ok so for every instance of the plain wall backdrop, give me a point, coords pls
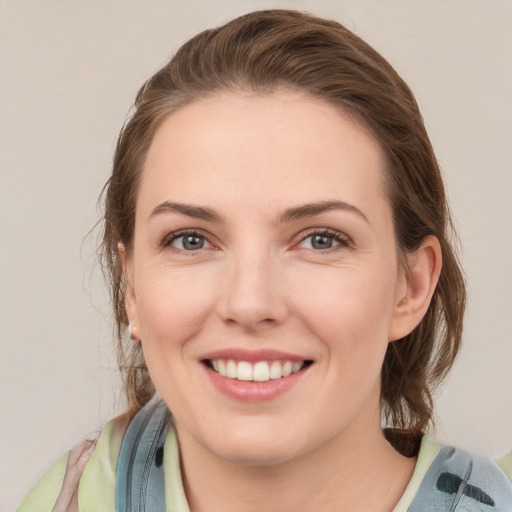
(70, 71)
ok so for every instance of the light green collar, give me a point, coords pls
(429, 450)
(175, 499)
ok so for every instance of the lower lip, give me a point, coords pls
(250, 391)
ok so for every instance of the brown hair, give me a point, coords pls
(263, 51)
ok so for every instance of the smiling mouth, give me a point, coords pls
(260, 371)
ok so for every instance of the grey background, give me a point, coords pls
(70, 71)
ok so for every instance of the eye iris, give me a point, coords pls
(321, 242)
(193, 243)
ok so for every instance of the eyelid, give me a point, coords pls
(344, 240)
(169, 238)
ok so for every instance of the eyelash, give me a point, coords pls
(171, 237)
(343, 240)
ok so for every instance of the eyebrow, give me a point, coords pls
(196, 212)
(292, 214)
(312, 209)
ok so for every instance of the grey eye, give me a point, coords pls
(189, 242)
(321, 242)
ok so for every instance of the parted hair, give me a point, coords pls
(259, 53)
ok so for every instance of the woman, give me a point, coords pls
(277, 239)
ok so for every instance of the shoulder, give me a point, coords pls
(44, 494)
(92, 464)
(505, 463)
(453, 480)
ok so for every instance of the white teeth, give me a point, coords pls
(231, 369)
(261, 371)
(287, 368)
(244, 370)
(297, 366)
(275, 370)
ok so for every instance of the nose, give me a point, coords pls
(254, 293)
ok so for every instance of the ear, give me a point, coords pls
(130, 300)
(423, 268)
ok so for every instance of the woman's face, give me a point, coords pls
(264, 245)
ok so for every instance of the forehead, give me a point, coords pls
(264, 148)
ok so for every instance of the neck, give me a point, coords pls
(341, 475)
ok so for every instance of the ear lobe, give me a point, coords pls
(422, 275)
(130, 300)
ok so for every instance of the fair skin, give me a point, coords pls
(264, 235)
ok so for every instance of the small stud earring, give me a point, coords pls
(132, 332)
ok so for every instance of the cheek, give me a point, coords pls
(345, 299)
(349, 312)
(172, 303)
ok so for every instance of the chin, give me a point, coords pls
(256, 455)
(257, 447)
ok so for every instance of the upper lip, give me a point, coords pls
(252, 356)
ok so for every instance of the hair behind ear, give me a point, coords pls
(427, 335)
